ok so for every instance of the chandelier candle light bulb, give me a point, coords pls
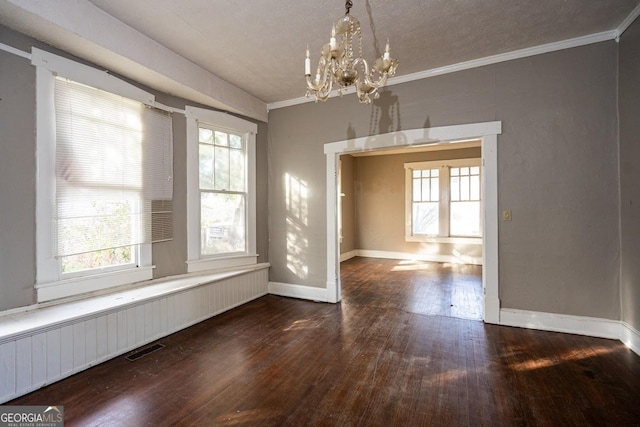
(337, 64)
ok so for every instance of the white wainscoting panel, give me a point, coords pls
(45, 354)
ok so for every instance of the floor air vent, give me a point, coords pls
(143, 352)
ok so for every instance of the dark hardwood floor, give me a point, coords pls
(389, 354)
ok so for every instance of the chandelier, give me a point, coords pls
(338, 67)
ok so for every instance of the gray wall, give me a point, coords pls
(629, 99)
(557, 170)
(380, 203)
(18, 173)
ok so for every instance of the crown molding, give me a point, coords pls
(481, 62)
(628, 21)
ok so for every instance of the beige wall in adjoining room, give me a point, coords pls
(380, 204)
(348, 204)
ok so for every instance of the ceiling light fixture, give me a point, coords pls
(338, 66)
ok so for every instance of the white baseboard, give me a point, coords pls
(630, 337)
(298, 291)
(419, 257)
(580, 325)
(348, 255)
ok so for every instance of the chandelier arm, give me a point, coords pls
(321, 82)
(379, 83)
(322, 89)
(365, 66)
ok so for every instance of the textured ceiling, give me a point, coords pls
(259, 45)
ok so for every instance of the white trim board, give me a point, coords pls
(627, 22)
(452, 259)
(569, 324)
(487, 133)
(581, 325)
(488, 60)
(348, 255)
(298, 291)
(13, 50)
(630, 337)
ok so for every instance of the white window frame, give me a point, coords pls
(444, 201)
(50, 282)
(195, 261)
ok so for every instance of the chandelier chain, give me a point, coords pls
(348, 5)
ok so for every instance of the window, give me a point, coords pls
(221, 190)
(443, 200)
(104, 180)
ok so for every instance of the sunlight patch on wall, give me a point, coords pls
(296, 199)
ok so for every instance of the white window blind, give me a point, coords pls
(114, 171)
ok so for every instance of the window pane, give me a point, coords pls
(98, 259)
(435, 172)
(206, 166)
(222, 223)
(205, 135)
(464, 188)
(425, 190)
(425, 218)
(435, 190)
(93, 224)
(236, 170)
(455, 171)
(416, 173)
(235, 141)
(417, 190)
(475, 170)
(221, 139)
(475, 188)
(455, 188)
(465, 219)
(464, 171)
(221, 172)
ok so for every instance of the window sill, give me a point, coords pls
(87, 284)
(221, 263)
(451, 240)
